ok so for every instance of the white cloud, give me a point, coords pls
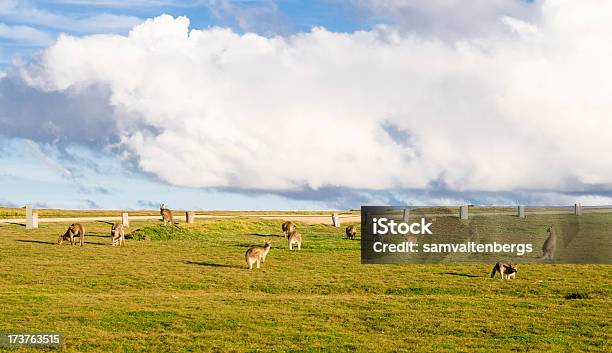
(518, 26)
(97, 23)
(211, 108)
(448, 19)
(25, 35)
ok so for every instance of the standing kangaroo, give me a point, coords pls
(350, 232)
(118, 234)
(288, 227)
(257, 254)
(550, 244)
(166, 214)
(295, 238)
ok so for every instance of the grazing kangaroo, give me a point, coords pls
(506, 271)
(350, 232)
(295, 238)
(118, 234)
(288, 227)
(257, 254)
(166, 214)
(550, 244)
(410, 238)
(74, 229)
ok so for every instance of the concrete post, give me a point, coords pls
(125, 220)
(578, 209)
(34, 220)
(406, 215)
(335, 220)
(463, 212)
(521, 211)
(29, 217)
(190, 216)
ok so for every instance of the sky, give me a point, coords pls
(286, 105)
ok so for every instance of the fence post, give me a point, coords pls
(125, 220)
(406, 215)
(335, 220)
(578, 209)
(463, 212)
(29, 217)
(521, 211)
(190, 216)
(34, 220)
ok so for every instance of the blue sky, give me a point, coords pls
(411, 81)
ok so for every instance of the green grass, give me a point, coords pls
(189, 291)
(161, 232)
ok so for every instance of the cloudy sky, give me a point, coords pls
(304, 105)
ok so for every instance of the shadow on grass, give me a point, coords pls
(17, 224)
(106, 222)
(209, 264)
(459, 274)
(77, 243)
(55, 243)
(37, 242)
(93, 243)
(266, 235)
(97, 235)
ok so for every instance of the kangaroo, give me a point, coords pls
(257, 254)
(350, 232)
(410, 238)
(166, 214)
(74, 229)
(550, 244)
(288, 227)
(295, 238)
(118, 234)
(506, 271)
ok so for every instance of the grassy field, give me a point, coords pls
(192, 292)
